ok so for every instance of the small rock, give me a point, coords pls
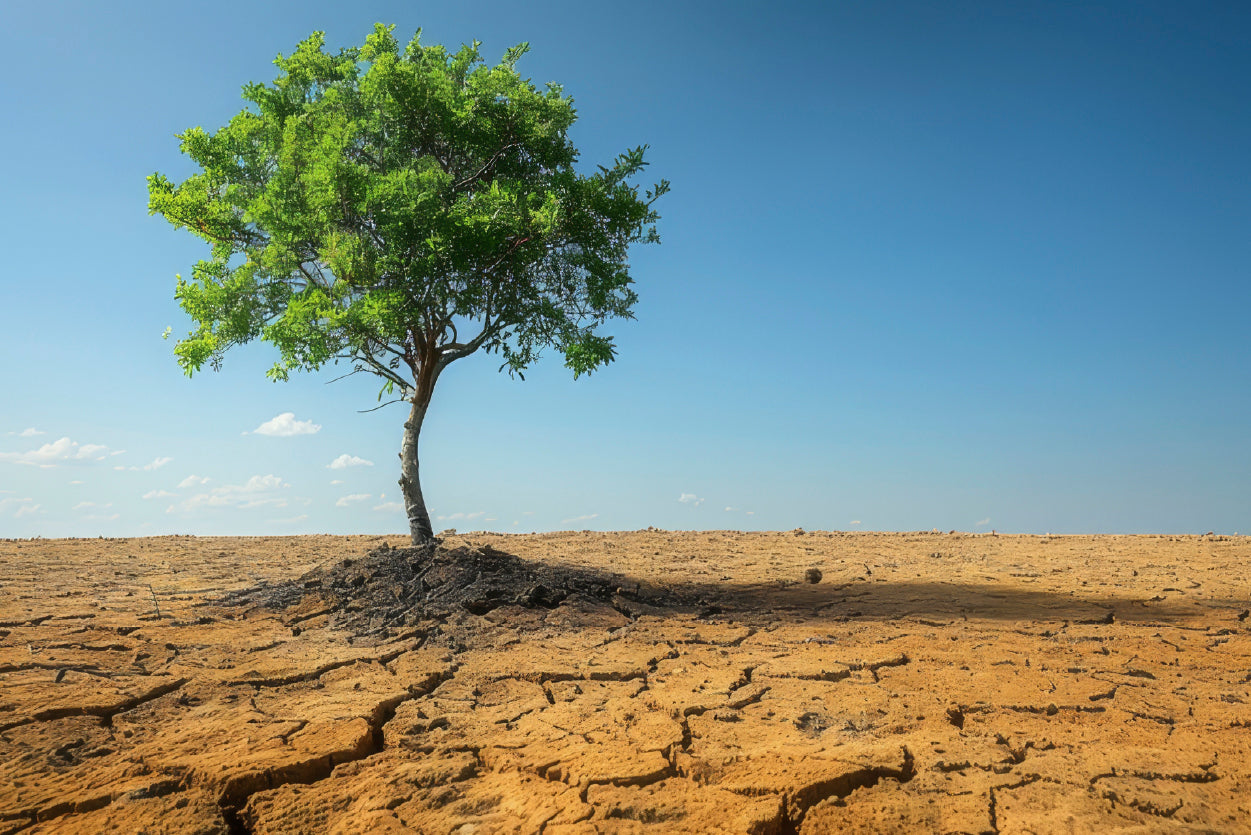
(812, 575)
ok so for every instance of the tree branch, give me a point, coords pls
(383, 406)
(485, 166)
(378, 368)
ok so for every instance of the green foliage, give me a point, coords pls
(370, 206)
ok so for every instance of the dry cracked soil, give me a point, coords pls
(799, 682)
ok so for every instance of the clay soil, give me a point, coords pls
(626, 682)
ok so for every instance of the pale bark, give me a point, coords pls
(410, 480)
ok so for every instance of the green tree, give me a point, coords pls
(398, 210)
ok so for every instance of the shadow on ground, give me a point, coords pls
(403, 586)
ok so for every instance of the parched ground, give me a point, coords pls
(627, 682)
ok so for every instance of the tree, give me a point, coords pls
(399, 210)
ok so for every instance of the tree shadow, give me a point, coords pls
(893, 600)
(393, 586)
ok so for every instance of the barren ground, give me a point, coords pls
(627, 682)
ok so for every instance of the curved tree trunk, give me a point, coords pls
(410, 481)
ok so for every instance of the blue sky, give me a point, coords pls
(963, 266)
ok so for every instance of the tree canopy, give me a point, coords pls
(400, 207)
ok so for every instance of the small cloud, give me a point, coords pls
(27, 510)
(344, 461)
(21, 504)
(585, 518)
(257, 491)
(285, 425)
(289, 521)
(117, 452)
(336, 481)
(57, 452)
(121, 468)
(29, 433)
(691, 499)
(983, 523)
(389, 506)
(76, 481)
(99, 517)
(854, 522)
(90, 505)
(347, 501)
(154, 464)
(194, 481)
(158, 494)
(461, 516)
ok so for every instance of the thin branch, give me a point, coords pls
(380, 369)
(383, 406)
(345, 376)
(485, 166)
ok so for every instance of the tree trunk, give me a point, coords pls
(410, 481)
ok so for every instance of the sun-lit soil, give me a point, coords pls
(647, 682)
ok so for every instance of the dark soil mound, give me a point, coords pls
(392, 587)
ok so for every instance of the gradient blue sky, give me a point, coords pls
(925, 265)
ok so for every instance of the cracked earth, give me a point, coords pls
(627, 682)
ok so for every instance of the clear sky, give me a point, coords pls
(953, 265)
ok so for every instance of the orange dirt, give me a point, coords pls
(926, 683)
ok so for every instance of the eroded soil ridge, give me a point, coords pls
(645, 682)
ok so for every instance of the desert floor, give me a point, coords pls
(644, 682)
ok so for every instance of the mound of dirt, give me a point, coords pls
(393, 587)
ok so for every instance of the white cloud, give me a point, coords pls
(854, 522)
(117, 452)
(336, 481)
(121, 468)
(29, 433)
(585, 518)
(461, 516)
(257, 491)
(344, 461)
(690, 498)
(158, 494)
(89, 505)
(27, 510)
(285, 425)
(22, 504)
(194, 481)
(983, 523)
(76, 481)
(57, 452)
(290, 520)
(347, 501)
(389, 506)
(155, 464)
(100, 517)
